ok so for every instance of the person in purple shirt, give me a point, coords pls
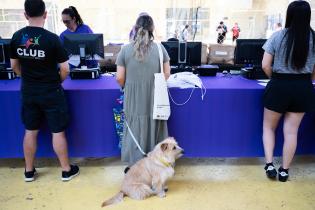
(73, 22)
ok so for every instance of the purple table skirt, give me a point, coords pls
(227, 123)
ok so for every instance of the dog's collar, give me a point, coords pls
(165, 163)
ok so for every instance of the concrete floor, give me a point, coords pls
(199, 184)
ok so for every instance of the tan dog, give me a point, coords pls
(148, 176)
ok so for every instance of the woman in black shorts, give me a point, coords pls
(289, 61)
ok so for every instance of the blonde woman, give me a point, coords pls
(136, 64)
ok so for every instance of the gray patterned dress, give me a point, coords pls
(138, 102)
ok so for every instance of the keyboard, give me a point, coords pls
(86, 69)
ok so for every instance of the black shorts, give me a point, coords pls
(45, 103)
(290, 93)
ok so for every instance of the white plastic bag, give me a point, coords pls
(185, 80)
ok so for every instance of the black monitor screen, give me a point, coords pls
(5, 52)
(249, 51)
(92, 43)
(192, 57)
(172, 50)
(2, 58)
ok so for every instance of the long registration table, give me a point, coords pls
(226, 123)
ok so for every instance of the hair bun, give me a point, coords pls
(72, 8)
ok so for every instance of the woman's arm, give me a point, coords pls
(167, 69)
(267, 64)
(121, 75)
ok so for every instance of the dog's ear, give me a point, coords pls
(164, 147)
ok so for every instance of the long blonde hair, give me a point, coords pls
(144, 36)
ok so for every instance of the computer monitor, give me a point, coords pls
(249, 52)
(183, 53)
(5, 53)
(86, 46)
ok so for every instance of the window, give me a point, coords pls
(12, 20)
(177, 18)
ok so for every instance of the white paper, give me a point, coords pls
(109, 54)
(263, 80)
(74, 60)
(220, 53)
(262, 84)
(109, 74)
(97, 57)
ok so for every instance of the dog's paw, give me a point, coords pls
(161, 194)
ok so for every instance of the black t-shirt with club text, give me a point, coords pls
(39, 52)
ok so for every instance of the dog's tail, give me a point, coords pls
(116, 199)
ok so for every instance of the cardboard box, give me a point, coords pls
(221, 54)
(204, 53)
(110, 54)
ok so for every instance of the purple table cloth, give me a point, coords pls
(227, 123)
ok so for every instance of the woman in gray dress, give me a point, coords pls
(136, 64)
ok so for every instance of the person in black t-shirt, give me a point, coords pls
(222, 30)
(35, 55)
